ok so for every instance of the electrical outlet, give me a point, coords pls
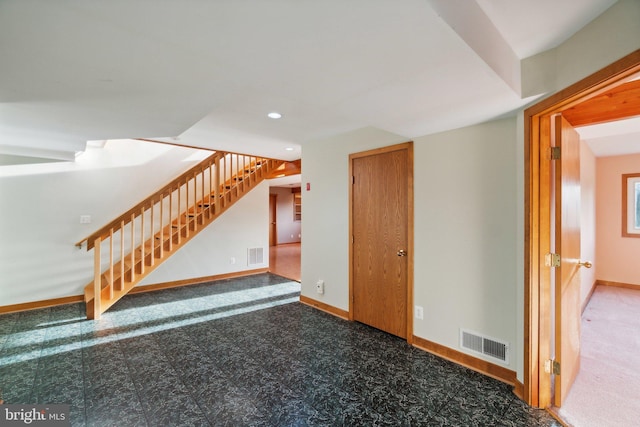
(320, 287)
(232, 260)
(85, 219)
(419, 312)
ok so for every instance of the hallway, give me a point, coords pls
(284, 260)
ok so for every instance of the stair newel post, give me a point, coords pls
(110, 264)
(122, 256)
(133, 247)
(142, 254)
(97, 279)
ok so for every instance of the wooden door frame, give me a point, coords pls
(537, 279)
(273, 209)
(404, 146)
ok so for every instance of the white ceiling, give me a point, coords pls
(206, 73)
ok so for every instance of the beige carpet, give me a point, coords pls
(607, 389)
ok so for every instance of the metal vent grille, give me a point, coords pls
(484, 345)
(255, 256)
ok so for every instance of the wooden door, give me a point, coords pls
(380, 244)
(567, 243)
(273, 225)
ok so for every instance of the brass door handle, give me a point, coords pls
(402, 252)
(585, 264)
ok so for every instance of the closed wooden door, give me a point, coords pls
(380, 244)
(567, 243)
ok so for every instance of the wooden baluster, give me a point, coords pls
(195, 202)
(97, 279)
(210, 189)
(224, 180)
(161, 239)
(187, 218)
(237, 175)
(170, 220)
(152, 234)
(202, 202)
(142, 251)
(122, 256)
(179, 219)
(111, 264)
(132, 248)
(216, 187)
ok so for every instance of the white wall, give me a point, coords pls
(41, 206)
(289, 231)
(587, 219)
(618, 257)
(223, 246)
(465, 234)
(325, 208)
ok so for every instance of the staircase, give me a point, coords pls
(131, 246)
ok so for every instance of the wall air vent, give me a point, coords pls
(486, 346)
(255, 256)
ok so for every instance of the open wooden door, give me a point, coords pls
(381, 246)
(567, 243)
(273, 225)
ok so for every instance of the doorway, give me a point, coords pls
(539, 322)
(381, 247)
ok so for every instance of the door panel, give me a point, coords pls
(380, 231)
(567, 240)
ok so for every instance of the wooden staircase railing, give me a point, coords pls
(131, 246)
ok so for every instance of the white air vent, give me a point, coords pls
(255, 256)
(484, 345)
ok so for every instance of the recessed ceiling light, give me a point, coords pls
(289, 148)
(274, 115)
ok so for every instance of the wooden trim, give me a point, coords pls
(34, 305)
(489, 369)
(536, 322)
(585, 303)
(617, 285)
(196, 281)
(150, 288)
(325, 307)
(625, 205)
(518, 390)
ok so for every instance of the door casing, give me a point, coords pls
(537, 296)
(410, 230)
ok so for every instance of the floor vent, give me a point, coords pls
(255, 256)
(484, 345)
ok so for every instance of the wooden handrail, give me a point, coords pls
(149, 201)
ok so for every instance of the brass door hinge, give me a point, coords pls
(552, 367)
(552, 260)
(555, 153)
